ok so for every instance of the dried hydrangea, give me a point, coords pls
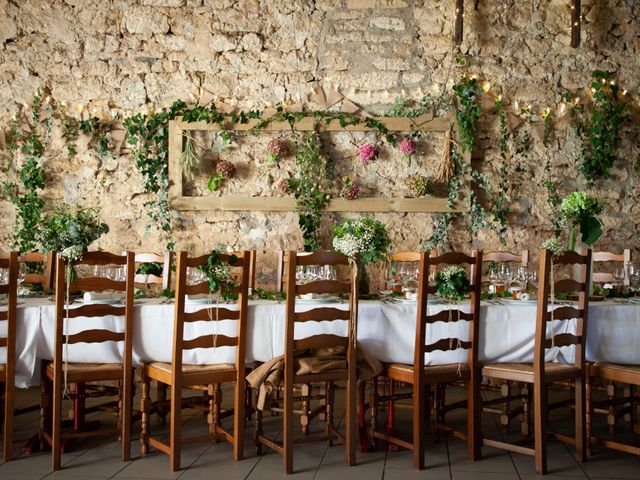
(275, 148)
(226, 169)
(419, 186)
(350, 190)
(408, 148)
(284, 186)
(367, 152)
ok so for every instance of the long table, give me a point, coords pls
(385, 329)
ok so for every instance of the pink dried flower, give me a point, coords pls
(284, 186)
(408, 148)
(275, 148)
(367, 152)
(351, 193)
(226, 169)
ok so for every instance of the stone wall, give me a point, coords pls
(140, 54)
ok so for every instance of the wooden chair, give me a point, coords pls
(8, 342)
(166, 260)
(204, 377)
(610, 372)
(604, 257)
(541, 374)
(47, 277)
(500, 256)
(322, 341)
(422, 377)
(59, 373)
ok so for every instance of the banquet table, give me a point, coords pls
(385, 329)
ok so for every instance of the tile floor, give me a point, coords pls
(99, 458)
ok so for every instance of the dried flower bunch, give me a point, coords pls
(350, 190)
(408, 148)
(367, 152)
(275, 148)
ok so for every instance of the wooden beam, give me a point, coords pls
(459, 21)
(575, 23)
(288, 204)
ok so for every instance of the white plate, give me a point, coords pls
(103, 301)
(511, 301)
(430, 301)
(315, 301)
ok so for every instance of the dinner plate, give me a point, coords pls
(102, 301)
(314, 301)
(511, 301)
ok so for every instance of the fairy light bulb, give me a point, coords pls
(499, 97)
(624, 92)
(486, 87)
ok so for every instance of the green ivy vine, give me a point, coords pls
(598, 128)
(25, 172)
(149, 137)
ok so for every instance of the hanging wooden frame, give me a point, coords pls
(426, 123)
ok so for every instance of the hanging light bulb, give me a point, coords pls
(486, 87)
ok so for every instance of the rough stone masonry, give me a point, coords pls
(142, 54)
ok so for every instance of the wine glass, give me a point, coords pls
(619, 275)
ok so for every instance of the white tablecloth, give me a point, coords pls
(386, 330)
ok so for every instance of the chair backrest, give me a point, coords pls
(454, 315)
(150, 279)
(240, 269)
(604, 257)
(522, 259)
(47, 277)
(95, 284)
(545, 319)
(329, 314)
(8, 315)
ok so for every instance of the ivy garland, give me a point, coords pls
(29, 171)
(599, 130)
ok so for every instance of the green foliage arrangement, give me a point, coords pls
(70, 232)
(580, 209)
(366, 237)
(150, 268)
(452, 283)
(218, 272)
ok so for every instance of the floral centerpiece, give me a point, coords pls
(452, 283)
(366, 237)
(69, 232)
(219, 276)
(580, 209)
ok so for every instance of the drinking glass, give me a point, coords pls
(619, 275)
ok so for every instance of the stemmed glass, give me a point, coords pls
(633, 271)
(619, 275)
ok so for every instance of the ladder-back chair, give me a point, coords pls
(60, 372)
(207, 378)
(540, 374)
(421, 377)
(8, 343)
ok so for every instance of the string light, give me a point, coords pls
(486, 87)
(624, 92)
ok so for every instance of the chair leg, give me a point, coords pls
(258, 432)
(526, 410)
(351, 418)
(216, 395)
(540, 416)
(56, 427)
(581, 428)
(8, 420)
(239, 419)
(474, 410)
(374, 398)
(287, 443)
(329, 402)
(127, 407)
(161, 392)
(45, 410)
(175, 428)
(505, 391)
(588, 414)
(418, 426)
(611, 415)
(145, 407)
(305, 392)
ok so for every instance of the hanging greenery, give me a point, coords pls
(25, 172)
(599, 127)
(310, 189)
(149, 137)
